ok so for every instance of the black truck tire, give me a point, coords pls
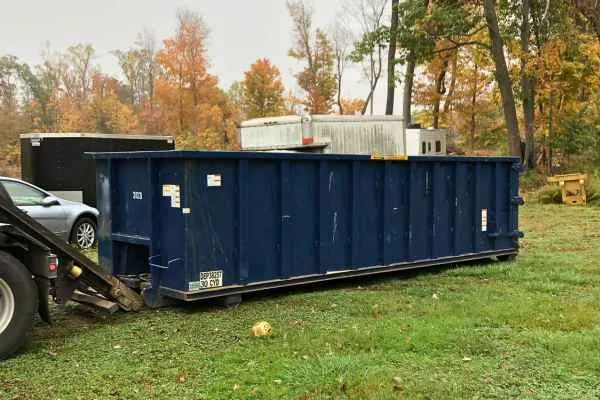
(18, 303)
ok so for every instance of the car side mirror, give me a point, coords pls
(50, 201)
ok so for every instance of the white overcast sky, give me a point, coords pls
(240, 32)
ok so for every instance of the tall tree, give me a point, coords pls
(80, 59)
(409, 76)
(236, 96)
(527, 86)
(317, 78)
(368, 50)
(503, 77)
(391, 60)
(191, 104)
(430, 30)
(341, 38)
(139, 67)
(106, 111)
(262, 90)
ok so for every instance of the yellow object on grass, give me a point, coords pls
(572, 187)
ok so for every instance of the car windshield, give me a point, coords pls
(23, 195)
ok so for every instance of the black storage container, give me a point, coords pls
(55, 161)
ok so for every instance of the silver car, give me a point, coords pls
(72, 221)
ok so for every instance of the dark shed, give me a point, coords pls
(55, 161)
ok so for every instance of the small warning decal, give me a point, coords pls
(484, 219)
(213, 180)
(174, 193)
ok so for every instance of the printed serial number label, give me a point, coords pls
(209, 279)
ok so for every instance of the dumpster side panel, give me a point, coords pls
(266, 220)
(213, 203)
(131, 204)
(168, 259)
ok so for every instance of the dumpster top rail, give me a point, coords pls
(268, 155)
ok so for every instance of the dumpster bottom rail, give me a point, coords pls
(317, 278)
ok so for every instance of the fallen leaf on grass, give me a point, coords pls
(375, 311)
(261, 328)
(397, 381)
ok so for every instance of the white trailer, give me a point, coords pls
(340, 134)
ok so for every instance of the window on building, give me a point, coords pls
(438, 146)
(423, 148)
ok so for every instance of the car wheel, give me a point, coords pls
(83, 234)
(18, 302)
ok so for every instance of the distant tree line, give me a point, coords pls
(520, 77)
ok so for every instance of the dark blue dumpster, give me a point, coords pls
(205, 224)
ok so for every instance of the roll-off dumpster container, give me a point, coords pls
(205, 224)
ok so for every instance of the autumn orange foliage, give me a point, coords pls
(188, 100)
(352, 106)
(262, 90)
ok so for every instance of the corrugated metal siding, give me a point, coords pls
(361, 137)
(339, 134)
(275, 136)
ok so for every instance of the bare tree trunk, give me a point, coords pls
(549, 137)
(375, 75)
(409, 77)
(503, 78)
(339, 94)
(439, 91)
(528, 89)
(391, 61)
(473, 104)
(450, 95)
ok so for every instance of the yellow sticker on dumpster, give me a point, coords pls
(174, 193)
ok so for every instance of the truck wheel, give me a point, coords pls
(18, 302)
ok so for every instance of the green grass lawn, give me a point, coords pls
(524, 329)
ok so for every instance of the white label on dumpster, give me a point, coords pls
(483, 219)
(208, 279)
(173, 192)
(213, 180)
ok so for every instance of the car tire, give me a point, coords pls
(84, 233)
(18, 303)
